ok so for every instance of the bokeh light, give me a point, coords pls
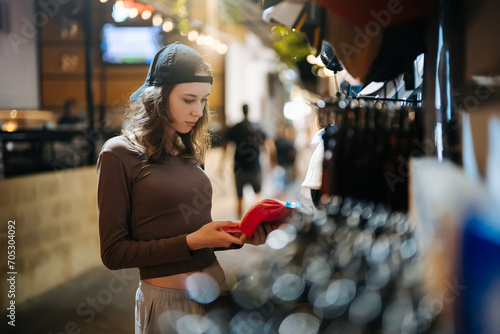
(288, 287)
(133, 12)
(146, 15)
(157, 20)
(277, 239)
(192, 35)
(202, 288)
(201, 39)
(302, 323)
(193, 323)
(222, 49)
(365, 307)
(168, 26)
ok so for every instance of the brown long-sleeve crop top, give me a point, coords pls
(147, 209)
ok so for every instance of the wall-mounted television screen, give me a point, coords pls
(129, 44)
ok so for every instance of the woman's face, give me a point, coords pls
(187, 102)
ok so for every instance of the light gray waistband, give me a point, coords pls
(158, 291)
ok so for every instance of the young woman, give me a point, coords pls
(154, 198)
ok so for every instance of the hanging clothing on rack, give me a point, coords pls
(368, 144)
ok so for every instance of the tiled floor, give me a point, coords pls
(99, 301)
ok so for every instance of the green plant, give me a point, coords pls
(291, 46)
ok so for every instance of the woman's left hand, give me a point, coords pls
(259, 235)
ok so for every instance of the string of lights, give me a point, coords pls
(130, 9)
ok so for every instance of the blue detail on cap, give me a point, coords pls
(293, 205)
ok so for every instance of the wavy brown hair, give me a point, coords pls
(149, 116)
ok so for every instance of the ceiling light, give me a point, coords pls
(193, 35)
(157, 20)
(222, 49)
(168, 26)
(146, 15)
(133, 12)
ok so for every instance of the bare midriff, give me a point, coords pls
(178, 281)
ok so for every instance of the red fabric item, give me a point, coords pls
(266, 210)
(386, 12)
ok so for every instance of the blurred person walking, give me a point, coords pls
(285, 172)
(249, 138)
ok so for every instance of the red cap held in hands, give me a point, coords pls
(266, 210)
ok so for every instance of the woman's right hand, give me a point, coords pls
(211, 235)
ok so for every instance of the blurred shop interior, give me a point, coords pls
(401, 234)
(95, 53)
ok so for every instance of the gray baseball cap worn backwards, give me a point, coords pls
(174, 64)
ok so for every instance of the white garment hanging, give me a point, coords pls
(315, 170)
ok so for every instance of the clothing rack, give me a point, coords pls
(387, 99)
(368, 147)
(377, 98)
